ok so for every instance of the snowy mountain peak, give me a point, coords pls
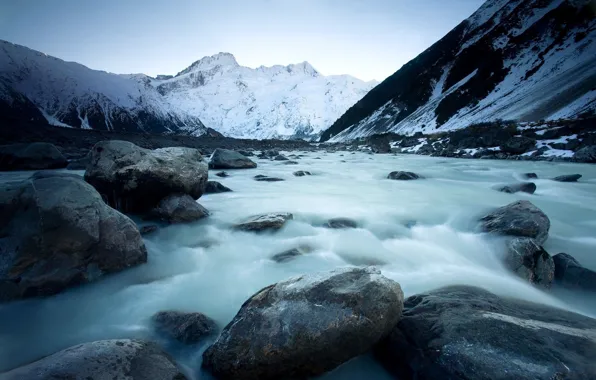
(210, 62)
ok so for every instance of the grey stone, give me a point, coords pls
(265, 222)
(222, 174)
(529, 175)
(291, 254)
(525, 187)
(568, 178)
(264, 178)
(306, 325)
(519, 218)
(280, 157)
(570, 273)
(518, 145)
(403, 176)
(102, 360)
(146, 230)
(179, 209)
(530, 261)
(34, 156)
(214, 187)
(339, 223)
(301, 173)
(290, 163)
(184, 327)
(586, 154)
(229, 159)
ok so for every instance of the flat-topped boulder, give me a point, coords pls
(306, 326)
(229, 159)
(134, 179)
(520, 218)
(265, 222)
(34, 156)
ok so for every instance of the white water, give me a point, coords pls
(423, 230)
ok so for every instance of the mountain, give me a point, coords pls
(266, 102)
(43, 89)
(522, 60)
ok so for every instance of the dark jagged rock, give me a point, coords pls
(339, 223)
(146, 230)
(34, 156)
(529, 175)
(291, 254)
(525, 187)
(229, 159)
(301, 173)
(570, 273)
(222, 174)
(133, 179)
(103, 359)
(586, 154)
(56, 232)
(520, 218)
(530, 261)
(187, 328)
(463, 332)
(403, 176)
(178, 209)
(265, 222)
(306, 325)
(568, 178)
(214, 187)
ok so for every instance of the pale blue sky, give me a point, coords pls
(369, 39)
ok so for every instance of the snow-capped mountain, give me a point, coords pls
(523, 60)
(37, 87)
(266, 102)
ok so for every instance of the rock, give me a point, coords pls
(525, 187)
(178, 209)
(214, 187)
(265, 222)
(586, 154)
(264, 178)
(187, 328)
(518, 145)
(56, 232)
(339, 223)
(290, 163)
(301, 173)
(34, 156)
(568, 178)
(280, 157)
(133, 179)
(463, 332)
(291, 254)
(529, 175)
(530, 261)
(146, 230)
(570, 273)
(228, 159)
(246, 153)
(222, 174)
(379, 145)
(104, 359)
(306, 325)
(519, 218)
(79, 163)
(403, 176)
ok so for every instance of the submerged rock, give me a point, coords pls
(34, 156)
(133, 179)
(290, 163)
(570, 273)
(179, 209)
(403, 176)
(146, 230)
(306, 325)
(301, 173)
(568, 178)
(463, 332)
(339, 223)
(264, 178)
(56, 232)
(280, 157)
(229, 159)
(529, 175)
(519, 218)
(525, 187)
(530, 261)
(104, 359)
(187, 328)
(265, 222)
(214, 187)
(222, 174)
(291, 254)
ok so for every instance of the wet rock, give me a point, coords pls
(525, 187)
(133, 179)
(214, 187)
(269, 154)
(340, 223)
(246, 153)
(280, 157)
(530, 261)
(518, 145)
(570, 273)
(178, 209)
(290, 163)
(104, 359)
(568, 178)
(529, 175)
(403, 176)
(187, 328)
(291, 254)
(265, 222)
(222, 174)
(146, 230)
(56, 232)
(79, 163)
(34, 156)
(586, 154)
(301, 173)
(264, 178)
(520, 218)
(306, 325)
(463, 332)
(229, 159)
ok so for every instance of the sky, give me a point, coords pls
(369, 39)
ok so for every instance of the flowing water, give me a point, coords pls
(423, 234)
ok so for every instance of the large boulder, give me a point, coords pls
(518, 145)
(34, 156)
(56, 232)
(265, 222)
(519, 218)
(102, 360)
(570, 273)
(586, 154)
(306, 325)
(525, 187)
(530, 261)
(178, 209)
(229, 159)
(187, 328)
(467, 333)
(133, 179)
